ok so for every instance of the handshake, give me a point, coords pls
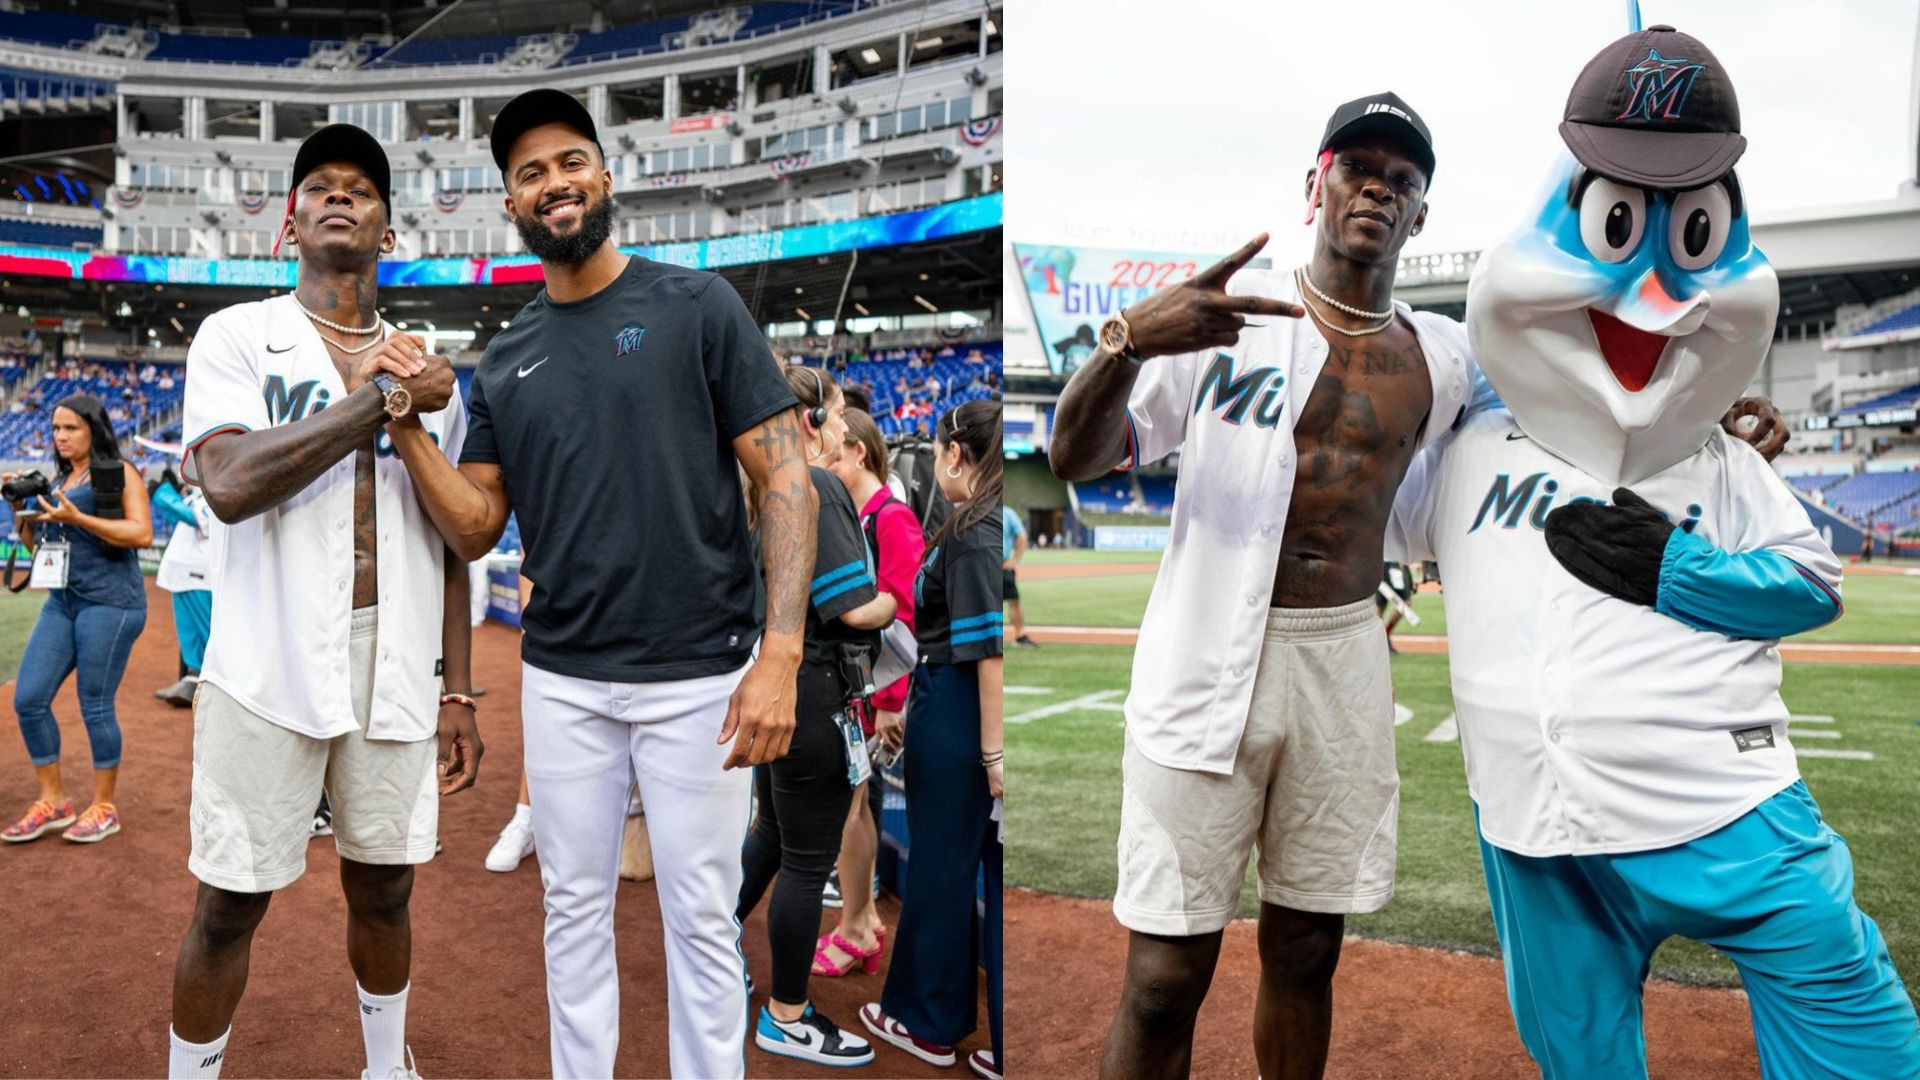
(427, 377)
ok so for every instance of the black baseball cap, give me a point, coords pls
(343, 142)
(1656, 109)
(1382, 113)
(532, 109)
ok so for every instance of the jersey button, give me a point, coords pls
(1555, 736)
(1253, 599)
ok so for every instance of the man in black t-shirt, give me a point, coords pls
(609, 417)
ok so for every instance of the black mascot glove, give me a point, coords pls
(1616, 549)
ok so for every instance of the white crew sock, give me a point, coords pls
(383, 1024)
(522, 813)
(195, 1061)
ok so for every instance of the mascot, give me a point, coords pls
(1619, 570)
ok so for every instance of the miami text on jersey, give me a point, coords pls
(1506, 502)
(1231, 396)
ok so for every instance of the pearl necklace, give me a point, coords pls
(1337, 305)
(357, 349)
(1317, 317)
(331, 325)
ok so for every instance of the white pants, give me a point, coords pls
(587, 743)
(477, 589)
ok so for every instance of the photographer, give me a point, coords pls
(805, 794)
(84, 531)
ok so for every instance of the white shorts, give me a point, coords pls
(1314, 790)
(256, 786)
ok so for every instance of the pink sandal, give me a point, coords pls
(868, 960)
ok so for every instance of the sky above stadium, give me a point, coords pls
(1190, 126)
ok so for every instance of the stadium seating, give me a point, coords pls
(1867, 494)
(1905, 397)
(18, 430)
(48, 233)
(1107, 495)
(75, 31)
(1811, 484)
(1158, 493)
(1904, 319)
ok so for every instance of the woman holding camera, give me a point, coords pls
(804, 796)
(84, 532)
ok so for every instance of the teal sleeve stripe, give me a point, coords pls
(988, 634)
(1760, 595)
(990, 617)
(832, 576)
(820, 598)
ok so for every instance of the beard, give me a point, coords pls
(596, 224)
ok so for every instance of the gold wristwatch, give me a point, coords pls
(1117, 338)
(399, 401)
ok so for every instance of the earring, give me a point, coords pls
(955, 474)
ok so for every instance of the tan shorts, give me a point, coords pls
(256, 786)
(1314, 790)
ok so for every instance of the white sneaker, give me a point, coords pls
(399, 1072)
(515, 844)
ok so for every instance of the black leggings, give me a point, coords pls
(804, 799)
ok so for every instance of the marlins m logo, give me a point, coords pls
(1232, 396)
(628, 340)
(1657, 87)
(286, 404)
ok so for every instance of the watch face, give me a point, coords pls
(1113, 336)
(399, 402)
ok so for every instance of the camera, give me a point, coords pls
(26, 486)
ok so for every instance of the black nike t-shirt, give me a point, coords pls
(612, 419)
(842, 571)
(957, 596)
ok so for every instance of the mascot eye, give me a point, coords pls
(1611, 219)
(1701, 220)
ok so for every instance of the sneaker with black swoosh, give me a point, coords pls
(813, 1038)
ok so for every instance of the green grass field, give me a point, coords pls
(17, 613)
(1880, 609)
(1065, 769)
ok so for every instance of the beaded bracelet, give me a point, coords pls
(459, 699)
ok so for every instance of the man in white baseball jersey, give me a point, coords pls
(613, 419)
(337, 612)
(1261, 712)
(1617, 575)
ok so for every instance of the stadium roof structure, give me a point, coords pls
(959, 272)
(395, 18)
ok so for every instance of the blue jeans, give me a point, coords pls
(74, 634)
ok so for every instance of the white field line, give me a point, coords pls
(1086, 701)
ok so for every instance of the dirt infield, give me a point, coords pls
(1400, 1011)
(92, 930)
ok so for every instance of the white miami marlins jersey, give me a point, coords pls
(1592, 724)
(1234, 410)
(282, 580)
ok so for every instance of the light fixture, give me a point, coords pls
(484, 308)
(477, 326)
(401, 325)
(797, 290)
(871, 56)
(992, 27)
(503, 324)
(181, 305)
(861, 308)
(126, 310)
(802, 312)
(152, 333)
(928, 43)
(159, 288)
(923, 277)
(176, 325)
(925, 303)
(23, 313)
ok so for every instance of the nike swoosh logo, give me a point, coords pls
(1512, 435)
(271, 349)
(526, 371)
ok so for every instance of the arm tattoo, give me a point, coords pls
(249, 472)
(779, 442)
(787, 527)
